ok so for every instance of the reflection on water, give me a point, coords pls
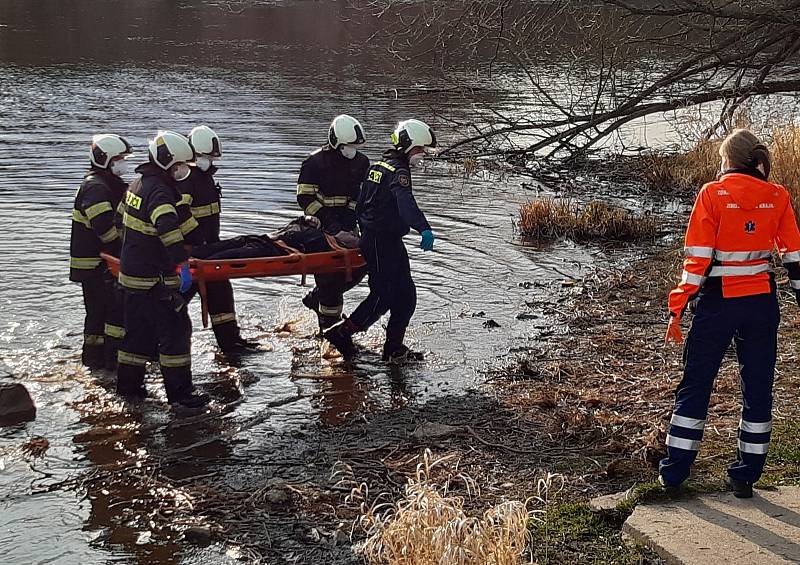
(269, 92)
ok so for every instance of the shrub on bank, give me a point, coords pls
(550, 218)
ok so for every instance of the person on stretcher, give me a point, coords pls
(303, 234)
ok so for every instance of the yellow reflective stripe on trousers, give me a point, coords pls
(305, 188)
(313, 208)
(110, 235)
(117, 332)
(386, 166)
(161, 210)
(136, 224)
(223, 318)
(175, 360)
(91, 339)
(205, 211)
(84, 263)
(188, 226)
(132, 358)
(77, 216)
(171, 237)
(137, 283)
(96, 209)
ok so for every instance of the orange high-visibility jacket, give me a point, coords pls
(735, 224)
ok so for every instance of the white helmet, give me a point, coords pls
(205, 142)
(345, 130)
(413, 133)
(168, 148)
(105, 147)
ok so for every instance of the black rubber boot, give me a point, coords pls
(741, 489)
(672, 491)
(192, 400)
(93, 356)
(341, 337)
(130, 382)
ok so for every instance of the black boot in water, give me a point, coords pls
(342, 339)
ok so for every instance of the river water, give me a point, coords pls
(268, 80)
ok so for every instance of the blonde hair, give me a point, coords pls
(743, 150)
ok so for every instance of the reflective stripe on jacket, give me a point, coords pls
(735, 224)
(93, 223)
(328, 187)
(200, 201)
(153, 242)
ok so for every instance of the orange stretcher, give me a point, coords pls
(339, 260)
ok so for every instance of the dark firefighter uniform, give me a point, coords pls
(93, 231)
(201, 199)
(156, 316)
(328, 188)
(386, 211)
(735, 224)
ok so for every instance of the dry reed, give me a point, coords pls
(690, 170)
(430, 527)
(550, 218)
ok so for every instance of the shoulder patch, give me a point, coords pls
(404, 179)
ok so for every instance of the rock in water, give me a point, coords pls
(16, 404)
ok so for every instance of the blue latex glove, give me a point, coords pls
(186, 278)
(427, 240)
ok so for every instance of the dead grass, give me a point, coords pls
(429, 526)
(691, 170)
(785, 151)
(550, 218)
(682, 171)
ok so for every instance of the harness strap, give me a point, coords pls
(348, 273)
(293, 251)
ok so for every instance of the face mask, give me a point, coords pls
(118, 167)
(181, 171)
(203, 163)
(416, 159)
(348, 151)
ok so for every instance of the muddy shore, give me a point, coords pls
(589, 400)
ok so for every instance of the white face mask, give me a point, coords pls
(118, 167)
(203, 163)
(348, 151)
(416, 159)
(180, 172)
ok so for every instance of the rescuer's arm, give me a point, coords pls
(787, 240)
(164, 216)
(701, 236)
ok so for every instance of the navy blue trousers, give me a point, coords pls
(391, 288)
(752, 323)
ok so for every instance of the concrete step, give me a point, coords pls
(719, 529)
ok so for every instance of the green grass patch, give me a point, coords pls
(572, 533)
(783, 458)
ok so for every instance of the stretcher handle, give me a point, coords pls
(301, 257)
(348, 267)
